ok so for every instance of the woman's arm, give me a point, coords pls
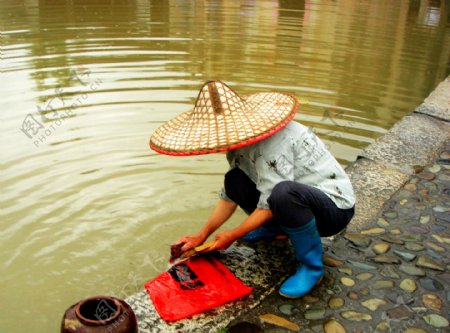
(225, 238)
(221, 213)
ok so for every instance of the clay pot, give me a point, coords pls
(99, 314)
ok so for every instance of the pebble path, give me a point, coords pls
(394, 276)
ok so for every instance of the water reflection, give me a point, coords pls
(86, 207)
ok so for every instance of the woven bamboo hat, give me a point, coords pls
(222, 120)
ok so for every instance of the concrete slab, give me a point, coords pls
(412, 141)
(259, 266)
(374, 184)
(437, 104)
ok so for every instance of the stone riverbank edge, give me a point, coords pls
(388, 272)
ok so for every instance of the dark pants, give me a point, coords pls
(292, 204)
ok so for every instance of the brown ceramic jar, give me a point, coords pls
(99, 314)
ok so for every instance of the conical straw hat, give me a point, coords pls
(222, 120)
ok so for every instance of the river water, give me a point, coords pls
(86, 207)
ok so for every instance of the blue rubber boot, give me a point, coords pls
(308, 250)
(263, 232)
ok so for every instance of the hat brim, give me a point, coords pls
(190, 134)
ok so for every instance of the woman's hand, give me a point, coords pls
(223, 240)
(222, 212)
(190, 241)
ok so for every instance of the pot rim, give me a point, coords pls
(98, 322)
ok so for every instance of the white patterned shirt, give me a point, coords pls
(294, 153)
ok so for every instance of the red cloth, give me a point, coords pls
(194, 286)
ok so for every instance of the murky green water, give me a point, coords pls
(86, 207)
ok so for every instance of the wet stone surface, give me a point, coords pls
(392, 276)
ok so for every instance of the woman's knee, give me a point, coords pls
(233, 179)
(241, 189)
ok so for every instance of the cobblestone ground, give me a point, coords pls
(393, 276)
